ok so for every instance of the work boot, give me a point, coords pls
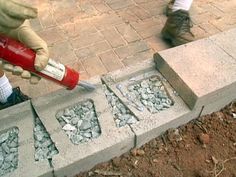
(16, 97)
(169, 7)
(177, 28)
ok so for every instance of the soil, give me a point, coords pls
(205, 147)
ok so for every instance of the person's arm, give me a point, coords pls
(14, 23)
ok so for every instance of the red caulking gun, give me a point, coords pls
(18, 54)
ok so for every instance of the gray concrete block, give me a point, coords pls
(21, 116)
(201, 72)
(150, 125)
(226, 41)
(72, 158)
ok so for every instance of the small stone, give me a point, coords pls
(9, 157)
(79, 123)
(13, 144)
(69, 127)
(85, 125)
(95, 134)
(204, 138)
(39, 136)
(234, 115)
(122, 123)
(144, 84)
(87, 135)
(4, 137)
(137, 152)
(5, 148)
(77, 138)
(67, 112)
(116, 161)
(74, 121)
(132, 120)
(155, 161)
(59, 114)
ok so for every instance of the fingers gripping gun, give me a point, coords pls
(18, 54)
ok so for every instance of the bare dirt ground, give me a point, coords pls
(205, 147)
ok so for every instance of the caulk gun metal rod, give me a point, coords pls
(86, 85)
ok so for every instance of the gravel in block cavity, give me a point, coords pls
(80, 122)
(43, 144)
(121, 114)
(9, 143)
(152, 94)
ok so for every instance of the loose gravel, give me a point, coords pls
(152, 94)
(122, 115)
(9, 143)
(44, 146)
(80, 122)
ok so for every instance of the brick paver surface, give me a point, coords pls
(99, 36)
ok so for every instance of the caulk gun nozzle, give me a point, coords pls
(86, 85)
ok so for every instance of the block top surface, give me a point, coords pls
(202, 65)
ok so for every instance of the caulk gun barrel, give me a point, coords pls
(86, 85)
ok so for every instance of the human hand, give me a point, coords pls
(15, 25)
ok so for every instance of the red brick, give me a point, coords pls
(62, 52)
(227, 6)
(36, 25)
(93, 50)
(111, 61)
(80, 27)
(139, 57)
(154, 7)
(106, 21)
(131, 49)
(147, 23)
(140, 12)
(102, 7)
(209, 28)
(88, 8)
(113, 37)
(84, 53)
(94, 66)
(157, 43)
(45, 16)
(198, 32)
(65, 15)
(86, 40)
(51, 35)
(151, 31)
(226, 22)
(129, 34)
(128, 16)
(120, 4)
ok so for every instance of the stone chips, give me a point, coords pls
(80, 122)
(9, 151)
(121, 114)
(44, 147)
(152, 94)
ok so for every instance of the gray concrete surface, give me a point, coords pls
(226, 41)
(72, 158)
(150, 125)
(202, 72)
(21, 116)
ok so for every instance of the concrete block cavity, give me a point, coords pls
(9, 143)
(121, 114)
(80, 122)
(44, 147)
(17, 151)
(151, 92)
(149, 96)
(82, 126)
